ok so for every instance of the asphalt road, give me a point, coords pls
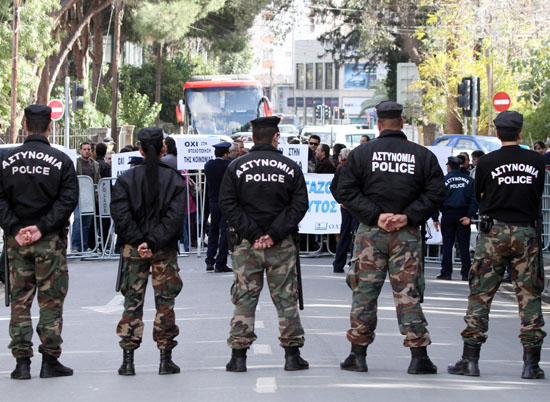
(203, 310)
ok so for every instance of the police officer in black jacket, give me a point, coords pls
(38, 193)
(457, 211)
(509, 185)
(392, 186)
(264, 197)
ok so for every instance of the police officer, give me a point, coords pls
(509, 185)
(392, 186)
(147, 206)
(264, 196)
(216, 254)
(457, 211)
(38, 193)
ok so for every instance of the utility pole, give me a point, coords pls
(115, 59)
(14, 52)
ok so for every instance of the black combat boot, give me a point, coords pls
(237, 363)
(468, 365)
(167, 366)
(420, 362)
(51, 367)
(531, 359)
(357, 359)
(293, 360)
(22, 369)
(127, 366)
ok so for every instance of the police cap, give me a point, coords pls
(265, 122)
(136, 160)
(38, 113)
(454, 162)
(509, 122)
(150, 135)
(389, 110)
(222, 145)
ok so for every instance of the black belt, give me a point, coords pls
(530, 224)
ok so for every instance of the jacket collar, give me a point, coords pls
(264, 147)
(393, 133)
(37, 137)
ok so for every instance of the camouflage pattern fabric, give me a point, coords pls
(39, 268)
(375, 253)
(279, 263)
(518, 246)
(167, 285)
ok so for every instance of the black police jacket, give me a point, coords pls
(38, 186)
(161, 226)
(391, 174)
(460, 198)
(263, 192)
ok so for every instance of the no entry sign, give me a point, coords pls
(501, 101)
(57, 109)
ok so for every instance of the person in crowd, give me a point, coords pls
(85, 166)
(264, 196)
(104, 167)
(109, 157)
(348, 224)
(324, 164)
(93, 154)
(313, 142)
(539, 147)
(241, 148)
(475, 158)
(233, 152)
(509, 185)
(465, 167)
(147, 208)
(37, 197)
(335, 153)
(171, 155)
(456, 214)
(216, 254)
(392, 186)
(364, 139)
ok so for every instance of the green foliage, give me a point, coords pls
(35, 44)
(136, 110)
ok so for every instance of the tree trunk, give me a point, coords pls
(14, 70)
(116, 53)
(97, 51)
(429, 133)
(159, 78)
(452, 123)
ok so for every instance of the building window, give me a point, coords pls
(309, 76)
(318, 75)
(336, 76)
(299, 76)
(328, 75)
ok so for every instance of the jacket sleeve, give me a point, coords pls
(431, 196)
(125, 225)
(334, 184)
(289, 218)
(351, 195)
(233, 211)
(62, 208)
(8, 220)
(171, 224)
(473, 205)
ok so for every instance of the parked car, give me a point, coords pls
(468, 143)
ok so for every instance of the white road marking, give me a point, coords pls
(116, 305)
(265, 385)
(261, 349)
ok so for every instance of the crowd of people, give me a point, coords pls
(388, 188)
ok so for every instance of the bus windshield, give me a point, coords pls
(222, 110)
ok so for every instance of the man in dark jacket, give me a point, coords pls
(392, 186)
(147, 207)
(457, 211)
(38, 193)
(324, 164)
(216, 254)
(264, 197)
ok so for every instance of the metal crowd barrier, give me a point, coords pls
(86, 208)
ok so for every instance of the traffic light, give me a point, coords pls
(77, 100)
(465, 99)
(342, 113)
(327, 111)
(318, 112)
(475, 105)
(336, 114)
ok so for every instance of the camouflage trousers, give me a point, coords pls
(375, 253)
(503, 245)
(41, 269)
(279, 263)
(166, 284)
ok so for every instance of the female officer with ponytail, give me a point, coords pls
(147, 206)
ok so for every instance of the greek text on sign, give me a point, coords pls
(120, 162)
(297, 152)
(323, 214)
(195, 150)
